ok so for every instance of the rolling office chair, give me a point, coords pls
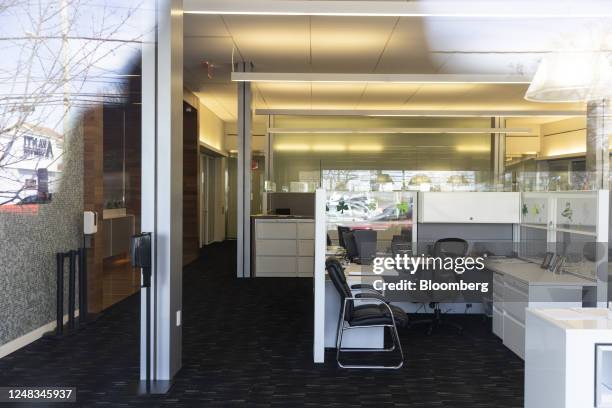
(444, 248)
(341, 231)
(348, 240)
(365, 244)
(376, 313)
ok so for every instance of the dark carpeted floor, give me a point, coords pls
(249, 343)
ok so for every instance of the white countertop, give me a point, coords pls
(579, 318)
(532, 274)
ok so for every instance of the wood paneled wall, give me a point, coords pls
(191, 213)
(93, 196)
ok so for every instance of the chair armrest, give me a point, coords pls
(376, 300)
(362, 286)
(370, 295)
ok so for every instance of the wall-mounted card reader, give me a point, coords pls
(90, 222)
(140, 251)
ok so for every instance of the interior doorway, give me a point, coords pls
(212, 198)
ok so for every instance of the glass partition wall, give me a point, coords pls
(381, 154)
(312, 153)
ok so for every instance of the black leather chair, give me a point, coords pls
(348, 239)
(443, 248)
(341, 231)
(365, 244)
(376, 313)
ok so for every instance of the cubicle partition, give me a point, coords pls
(572, 225)
(375, 222)
(514, 232)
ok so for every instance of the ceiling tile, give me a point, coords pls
(349, 44)
(272, 44)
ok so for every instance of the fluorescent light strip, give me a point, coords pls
(298, 147)
(307, 77)
(397, 130)
(419, 113)
(438, 8)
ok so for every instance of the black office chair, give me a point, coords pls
(444, 248)
(376, 313)
(348, 239)
(365, 244)
(341, 231)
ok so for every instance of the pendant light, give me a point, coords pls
(571, 76)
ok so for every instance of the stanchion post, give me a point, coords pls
(60, 294)
(71, 288)
(83, 313)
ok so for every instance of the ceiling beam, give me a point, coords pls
(382, 78)
(419, 113)
(404, 130)
(424, 8)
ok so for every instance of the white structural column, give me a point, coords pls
(599, 127)
(318, 346)
(243, 223)
(162, 187)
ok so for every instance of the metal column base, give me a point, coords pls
(154, 387)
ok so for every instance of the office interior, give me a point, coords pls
(311, 142)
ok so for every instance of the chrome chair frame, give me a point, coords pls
(394, 335)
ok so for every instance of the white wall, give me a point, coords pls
(211, 130)
(567, 136)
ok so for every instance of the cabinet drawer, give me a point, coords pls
(498, 285)
(516, 284)
(305, 266)
(305, 230)
(515, 303)
(514, 336)
(275, 247)
(498, 322)
(306, 247)
(275, 266)
(275, 230)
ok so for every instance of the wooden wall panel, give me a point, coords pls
(191, 223)
(93, 196)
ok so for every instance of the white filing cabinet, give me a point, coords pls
(284, 247)
(519, 284)
(472, 207)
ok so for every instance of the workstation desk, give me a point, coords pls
(519, 284)
(516, 285)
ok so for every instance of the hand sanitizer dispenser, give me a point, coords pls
(90, 222)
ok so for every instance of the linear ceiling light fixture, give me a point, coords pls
(419, 113)
(308, 77)
(380, 8)
(322, 147)
(397, 130)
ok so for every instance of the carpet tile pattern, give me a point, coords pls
(249, 343)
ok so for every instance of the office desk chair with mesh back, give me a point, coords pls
(377, 312)
(444, 248)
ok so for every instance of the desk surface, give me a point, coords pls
(354, 269)
(575, 318)
(532, 274)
